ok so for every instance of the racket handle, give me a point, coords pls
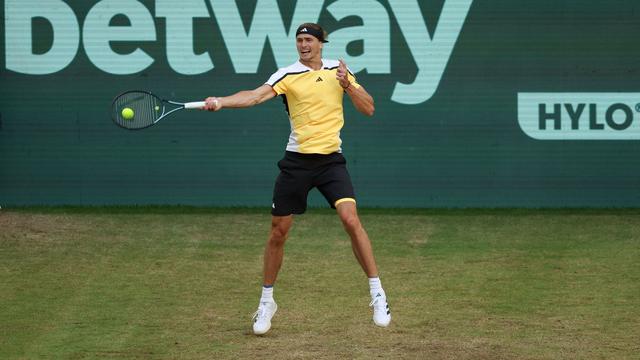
(194, 105)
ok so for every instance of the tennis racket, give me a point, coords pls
(137, 109)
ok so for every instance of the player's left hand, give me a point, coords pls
(342, 74)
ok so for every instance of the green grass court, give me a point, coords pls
(182, 283)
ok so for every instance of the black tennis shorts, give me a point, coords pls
(299, 173)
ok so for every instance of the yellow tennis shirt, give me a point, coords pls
(313, 99)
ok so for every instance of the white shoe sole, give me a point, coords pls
(382, 324)
(262, 332)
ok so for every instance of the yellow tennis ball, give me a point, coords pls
(127, 113)
(157, 108)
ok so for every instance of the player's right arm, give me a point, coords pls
(242, 99)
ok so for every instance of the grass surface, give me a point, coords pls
(162, 283)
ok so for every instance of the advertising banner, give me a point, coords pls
(478, 103)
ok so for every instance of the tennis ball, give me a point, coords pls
(157, 108)
(127, 113)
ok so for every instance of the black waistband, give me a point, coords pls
(297, 155)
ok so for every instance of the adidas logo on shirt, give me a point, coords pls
(319, 79)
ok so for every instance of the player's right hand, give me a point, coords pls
(212, 104)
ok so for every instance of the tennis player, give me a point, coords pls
(312, 90)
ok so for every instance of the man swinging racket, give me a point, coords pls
(312, 89)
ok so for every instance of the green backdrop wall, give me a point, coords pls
(478, 103)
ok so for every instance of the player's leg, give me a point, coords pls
(335, 184)
(289, 197)
(274, 249)
(273, 254)
(361, 246)
(360, 243)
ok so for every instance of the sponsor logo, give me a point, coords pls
(580, 116)
(245, 46)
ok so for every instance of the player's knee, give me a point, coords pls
(279, 234)
(350, 221)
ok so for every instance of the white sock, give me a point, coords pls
(375, 287)
(267, 294)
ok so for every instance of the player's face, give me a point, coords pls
(309, 47)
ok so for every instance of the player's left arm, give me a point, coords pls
(359, 96)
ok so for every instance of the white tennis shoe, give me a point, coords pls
(381, 312)
(262, 317)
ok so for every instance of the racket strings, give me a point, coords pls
(147, 109)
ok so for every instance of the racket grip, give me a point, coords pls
(194, 105)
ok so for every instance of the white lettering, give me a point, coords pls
(246, 48)
(179, 34)
(98, 35)
(431, 54)
(19, 55)
(375, 33)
